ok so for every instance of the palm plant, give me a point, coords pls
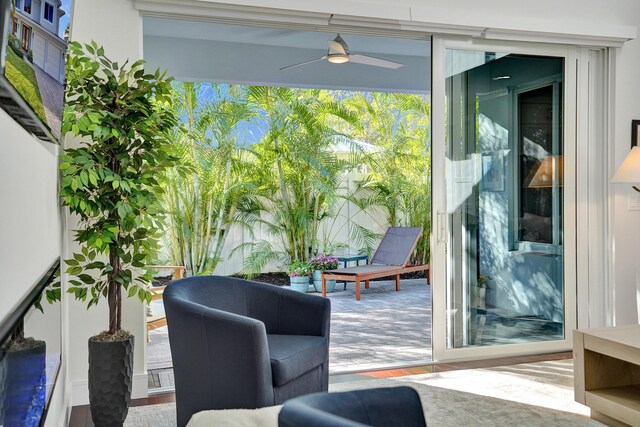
(296, 171)
(202, 203)
(398, 185)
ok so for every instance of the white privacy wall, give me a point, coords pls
(331, 231)
(116, 24)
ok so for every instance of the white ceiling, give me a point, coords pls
(205, 51)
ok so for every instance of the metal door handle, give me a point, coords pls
(442, 227)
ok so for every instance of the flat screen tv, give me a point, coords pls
(32, 63)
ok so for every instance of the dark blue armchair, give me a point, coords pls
(392, 406)
(242, 344)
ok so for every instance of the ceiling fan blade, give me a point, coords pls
(303, 63)
(335, 47)
(371, 60)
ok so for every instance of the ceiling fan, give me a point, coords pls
(339, 53)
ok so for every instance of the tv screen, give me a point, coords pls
(32, 63)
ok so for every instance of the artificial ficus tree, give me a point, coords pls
(110, 179)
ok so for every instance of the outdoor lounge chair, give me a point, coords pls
(390, 259)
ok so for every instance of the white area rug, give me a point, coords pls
(536, 394)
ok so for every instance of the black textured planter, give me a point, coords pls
(110, 380)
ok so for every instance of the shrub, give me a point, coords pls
(15, 45)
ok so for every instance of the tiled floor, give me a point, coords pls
(384, 328)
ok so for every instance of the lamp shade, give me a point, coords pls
(543, 175)
(629, 170)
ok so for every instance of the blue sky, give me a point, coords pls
(64, 21)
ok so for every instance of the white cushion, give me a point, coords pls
(237, 417)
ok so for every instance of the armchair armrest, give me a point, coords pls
(302, 314)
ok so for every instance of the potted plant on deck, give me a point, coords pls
(110, 181)
(318, 265)
(299, 276)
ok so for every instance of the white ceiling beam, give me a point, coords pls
(388, 19)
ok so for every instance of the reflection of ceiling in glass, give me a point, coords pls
(459, 61)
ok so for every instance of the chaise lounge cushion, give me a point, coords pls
(293, 355)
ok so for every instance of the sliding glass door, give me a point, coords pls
(500, 252)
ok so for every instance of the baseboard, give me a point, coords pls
(80, 389)
(140, 386)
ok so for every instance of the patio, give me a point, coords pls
(385, 328)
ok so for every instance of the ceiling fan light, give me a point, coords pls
(338, 58)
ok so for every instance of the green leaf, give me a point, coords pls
(74, 270)
(94, 265)
(122, 211)
(132, 291)
(86, 279)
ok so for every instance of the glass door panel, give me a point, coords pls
(503, 177)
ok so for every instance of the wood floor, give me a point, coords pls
(81, 417)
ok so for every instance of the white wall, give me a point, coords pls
(29, 217)
(30, 231)
(572, 18)
(115, 25)
(626, 224)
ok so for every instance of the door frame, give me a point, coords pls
(440, 244)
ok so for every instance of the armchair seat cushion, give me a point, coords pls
(293, 355)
